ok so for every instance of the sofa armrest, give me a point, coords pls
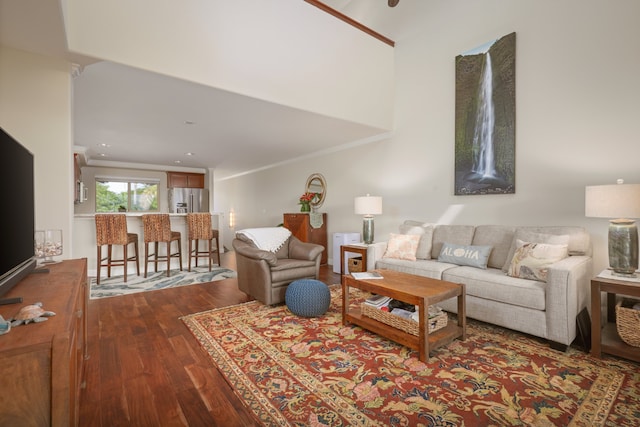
(304, 250)
(567, 293)
(375, 251)
(252, 252)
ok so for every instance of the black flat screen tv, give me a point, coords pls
(17, 254)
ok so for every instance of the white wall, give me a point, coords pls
(35, 108)
(287, 52)
(576, 109)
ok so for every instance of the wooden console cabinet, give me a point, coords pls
(300, 226)
(41, 364)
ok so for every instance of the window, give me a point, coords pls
(128, 196)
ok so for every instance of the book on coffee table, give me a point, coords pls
(367, 275)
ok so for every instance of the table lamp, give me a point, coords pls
(619, 202)
(368, 206)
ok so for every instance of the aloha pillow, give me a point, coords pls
(402, 246)
(473, 256)
(532, 260)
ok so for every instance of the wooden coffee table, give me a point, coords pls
(416, 290)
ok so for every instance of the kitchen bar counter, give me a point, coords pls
(84, 239)
(136, 214)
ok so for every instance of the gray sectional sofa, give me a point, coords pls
(546, 309)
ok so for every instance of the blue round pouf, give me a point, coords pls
(308, 297)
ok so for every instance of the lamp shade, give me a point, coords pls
(612, 201)
(368, 205)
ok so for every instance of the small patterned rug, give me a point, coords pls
(115, 285)
(294, 371)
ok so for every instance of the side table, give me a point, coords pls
(360, 249)
(607, 340)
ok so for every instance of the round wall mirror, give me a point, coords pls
(316, 184)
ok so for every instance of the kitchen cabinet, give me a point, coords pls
(41, 364)
(303, 228)
(185, 180)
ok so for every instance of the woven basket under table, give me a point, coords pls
(407, 325)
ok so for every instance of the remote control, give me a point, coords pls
(10, 300)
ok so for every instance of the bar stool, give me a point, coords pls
(199, 225)
(157, 228)
(111, 229)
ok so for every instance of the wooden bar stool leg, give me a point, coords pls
(190, 254)
(124, 262)
(179, 253)
(155, 257)
(210, 253)
(108, 260)
(99, 263)
(168, 258)
(218, 251)
(137, 257)
(146, 258)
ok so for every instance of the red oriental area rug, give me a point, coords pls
(294, 371)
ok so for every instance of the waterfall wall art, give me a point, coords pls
(485, 149)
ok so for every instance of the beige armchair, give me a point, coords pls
(265, 275)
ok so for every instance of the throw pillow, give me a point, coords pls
(533, 237)
(532, 260)
(473, 256)
(425, 231)
(402, 246)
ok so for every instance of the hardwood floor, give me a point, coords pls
(145, 368)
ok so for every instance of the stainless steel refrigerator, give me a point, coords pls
(183, 200)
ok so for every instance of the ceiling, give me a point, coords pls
(131, 118)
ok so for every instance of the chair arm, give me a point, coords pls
(252, 252)
(567, 293)
(304, 250)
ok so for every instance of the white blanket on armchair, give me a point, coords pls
(267, 238)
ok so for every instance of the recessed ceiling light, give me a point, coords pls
(104, 145)
(189, 154)
(177, 161)
(189, 122)
(102, 155)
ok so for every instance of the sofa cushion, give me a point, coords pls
(425, 231)
(493, 284)
(402, 246)
(422, 267)
(528, 235)
(473, 256)
(458, 234)
(499, 237)
(532, 260)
